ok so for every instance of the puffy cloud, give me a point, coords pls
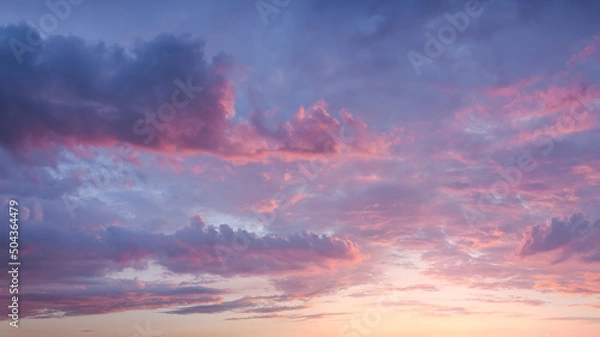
(194, 249)
(72, 92)
(160, 95)
(575, 235)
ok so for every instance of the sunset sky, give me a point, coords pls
(302, 168)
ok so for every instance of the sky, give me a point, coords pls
(301, 167)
